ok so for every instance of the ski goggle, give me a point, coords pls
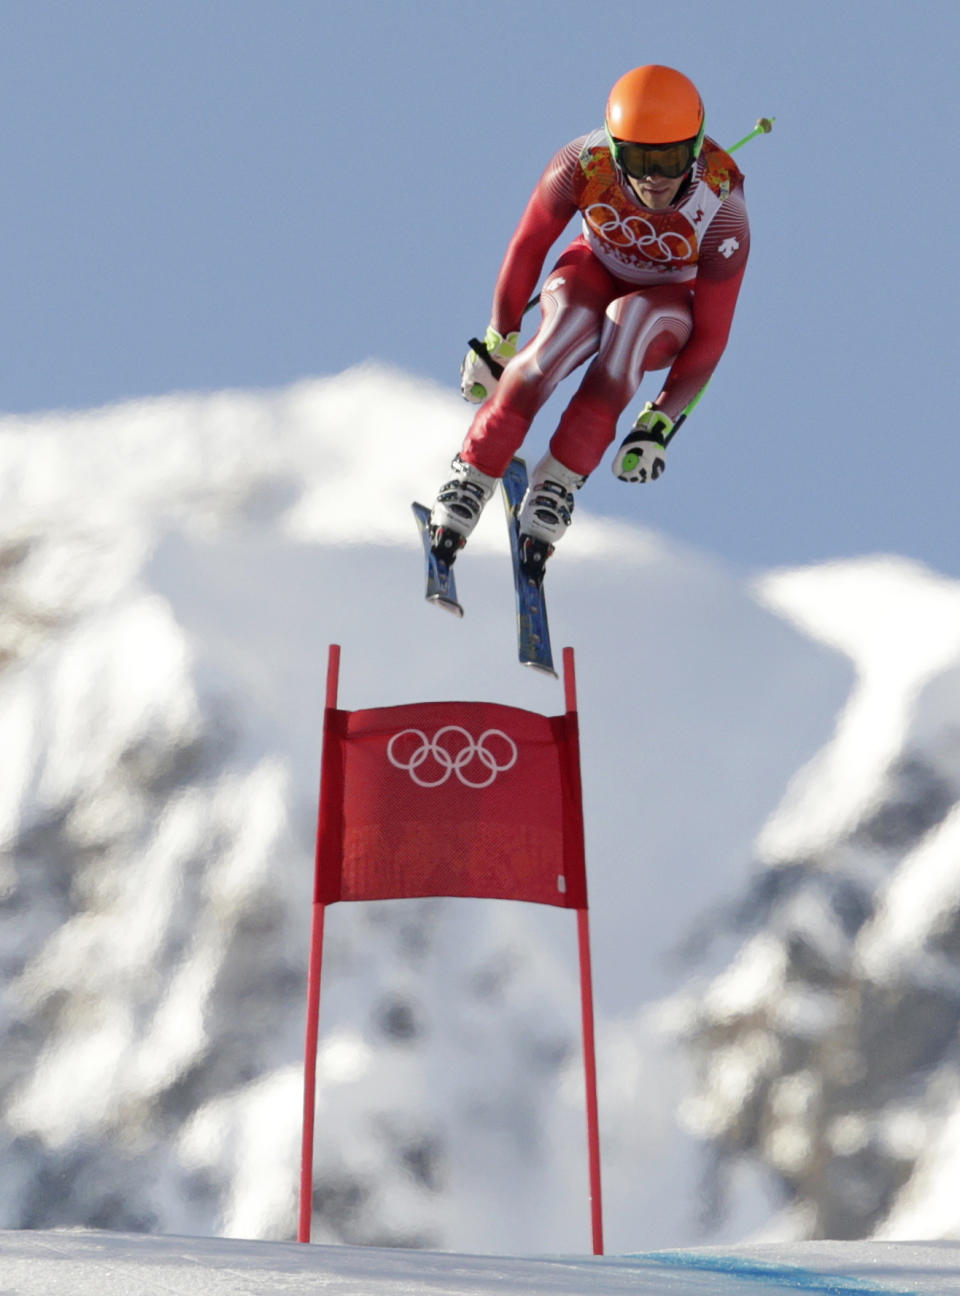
(668, 160)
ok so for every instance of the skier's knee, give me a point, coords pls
(661, 351)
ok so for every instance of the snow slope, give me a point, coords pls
(172, 573)
(74, 1263)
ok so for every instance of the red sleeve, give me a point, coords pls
(723, 260)
(547, 214)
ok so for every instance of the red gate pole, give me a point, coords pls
(590, 1075)
(313, 996)
(586, 1002)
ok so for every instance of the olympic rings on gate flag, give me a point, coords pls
(637, 231)
(493, 753)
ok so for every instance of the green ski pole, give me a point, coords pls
(763, 127)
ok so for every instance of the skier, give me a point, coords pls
(651, 282)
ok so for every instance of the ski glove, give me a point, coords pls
(643, 451)
(477, 379)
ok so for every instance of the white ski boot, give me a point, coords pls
(457, 511)
(546, 512)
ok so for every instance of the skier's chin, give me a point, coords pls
(656, 194)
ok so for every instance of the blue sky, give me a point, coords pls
(210, 193)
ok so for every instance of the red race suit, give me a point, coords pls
(637, 290)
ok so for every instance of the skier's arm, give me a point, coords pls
(548, 212)
(720, 274)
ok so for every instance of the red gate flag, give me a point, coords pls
(451, 799)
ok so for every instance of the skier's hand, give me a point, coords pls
(477, 379)
(642, 455)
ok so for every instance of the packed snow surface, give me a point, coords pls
(102, 1264)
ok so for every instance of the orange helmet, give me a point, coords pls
(655, 105)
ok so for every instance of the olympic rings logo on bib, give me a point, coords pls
(637, 232)
(430, 762)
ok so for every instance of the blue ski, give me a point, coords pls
(533, 631)
(441, 586)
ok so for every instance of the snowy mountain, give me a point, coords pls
(770, 772)
(829, 1044)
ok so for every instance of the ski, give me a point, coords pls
(441, 585)
(533, 631)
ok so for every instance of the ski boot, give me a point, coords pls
(457, 511)
(545, 514)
